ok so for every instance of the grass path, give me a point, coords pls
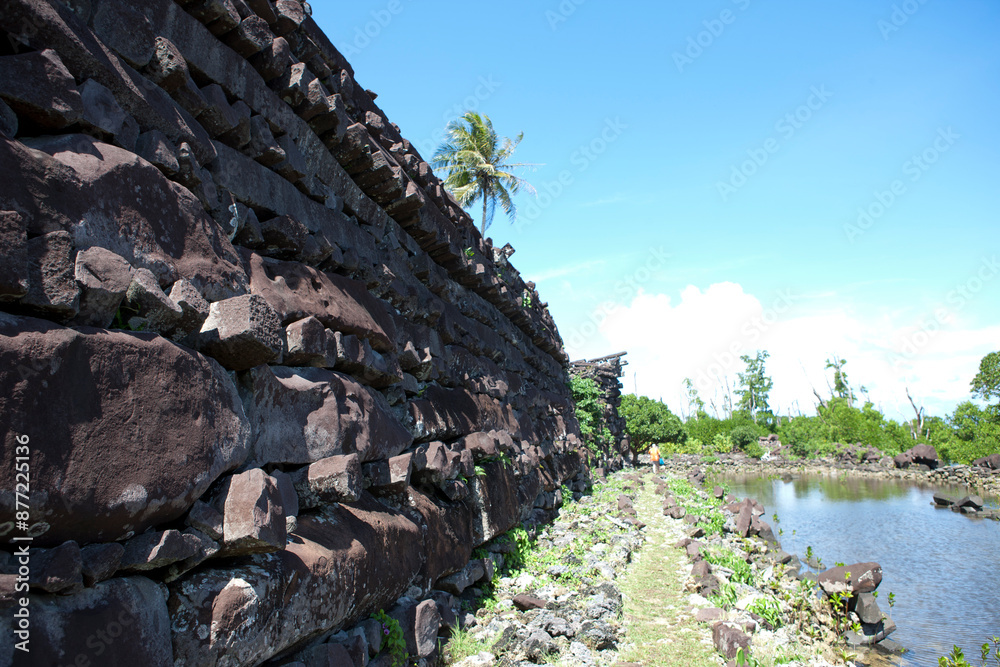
(661, 631)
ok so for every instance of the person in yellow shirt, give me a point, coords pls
(654, 456)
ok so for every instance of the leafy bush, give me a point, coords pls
(722, 443)
(648, 421)
(745, 435)
(754, 449)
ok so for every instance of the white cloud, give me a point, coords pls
(703, 334)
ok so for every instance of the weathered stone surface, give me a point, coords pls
(973, 501)
(39, 88)
(104, 117)
(120, 451)
(104, 278)
(122, 621)
(329, 480)
(157, 549)
(116, 200)
(55, 26)
(728, 640)
(148, 307)
(194, 309)
(450, 413)
(867, 608)
(992, 461)
(250, 37)
(205, 518)
(14, 279)
(288, 239)
(52, 288)
(307, 343)
(125, 31)
(253, 518)
(155, 148)
(8, 120)
(865, 577)
(242, 332)
(296, 291)
(449, 536)
(57, 570)
(342, 562)
(426, 623)
(302, 415)
(100, 562)
(526, 602)
(356, 357)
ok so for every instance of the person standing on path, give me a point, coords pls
(654, 456)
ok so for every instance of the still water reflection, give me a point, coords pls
(943, 567)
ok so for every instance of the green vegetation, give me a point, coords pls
(648, 421)
(755, 388)
(392, 638)
(957, 658)
(970, 432)
(477, 163)
(590, 414)
(660, 630)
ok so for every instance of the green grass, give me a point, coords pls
(461, 644)
(660, 631)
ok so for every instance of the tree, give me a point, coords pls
(590, 414)
(477, 164)
(986, 384)
(841, 388)
(755, 387)
(696, 406)
(648, 421)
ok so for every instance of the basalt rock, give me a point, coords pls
(291, 354)
(118, 455)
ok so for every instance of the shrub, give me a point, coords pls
(754, 449)
(743, 436)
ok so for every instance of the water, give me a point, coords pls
(944, 568)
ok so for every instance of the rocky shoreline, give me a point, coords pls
(978, 480)
(742, 588)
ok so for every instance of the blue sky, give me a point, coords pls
(715, 161)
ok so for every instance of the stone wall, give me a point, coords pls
(605, 372)
(268, 377)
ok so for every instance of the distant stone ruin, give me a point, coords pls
(605, 372)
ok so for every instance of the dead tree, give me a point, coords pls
(919, 421)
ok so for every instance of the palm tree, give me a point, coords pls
(476, 161)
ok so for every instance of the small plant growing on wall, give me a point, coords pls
(392, 638)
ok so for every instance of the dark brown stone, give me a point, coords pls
(57, 570)
(39, 88)
(100, 562)
(122, 621)
(296, 291)
(124, 30)
(864, 578)
(329, 480)
(326, 575)
(56, 26)
(14, 279)
(114, 440)
(52, 288)
(253, 518)
(104, 279)
(728, 640)
(103, 117)
(157, 549)
(302, 415)
(526, 602)
(242, 332)
(113, 199)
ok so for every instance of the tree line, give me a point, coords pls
(971, 431)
